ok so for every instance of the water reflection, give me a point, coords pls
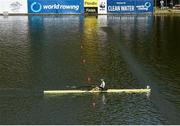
(56, 50)
(14, 52)
(103, 99)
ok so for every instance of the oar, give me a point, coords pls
(86, 86)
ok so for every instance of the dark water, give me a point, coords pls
(65, 52)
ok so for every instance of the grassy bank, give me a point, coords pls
(159, 11)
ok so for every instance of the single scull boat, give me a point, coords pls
(146, 90)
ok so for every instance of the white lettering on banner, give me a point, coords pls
(127, 8)
(53, 6)
(141, 7)
(121, 2)
(114, 8)
(121, 8)
(64, 7)
(144, 7)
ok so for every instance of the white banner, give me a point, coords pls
(13, 6)
(102, 6)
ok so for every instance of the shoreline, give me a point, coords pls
(157, 12)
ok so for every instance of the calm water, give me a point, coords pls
(67, 52)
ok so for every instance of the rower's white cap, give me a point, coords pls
(148, 87)
(102, 79)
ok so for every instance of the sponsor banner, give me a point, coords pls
(90, 3)
(13, 6)
(56, 6)
(144, 6)
(102, 6)
(91, 6)
(91, 10)
(121, 6)
(129, 6)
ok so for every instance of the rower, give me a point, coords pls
(102, 85)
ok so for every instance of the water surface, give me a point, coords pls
(74, 52)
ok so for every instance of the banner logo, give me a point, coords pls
(147, 4)
(144, 7)
(36, 7)
(56, 6)
(15, 6)
(102, 5)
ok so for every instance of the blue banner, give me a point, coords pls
(56, 6)
(129, 6)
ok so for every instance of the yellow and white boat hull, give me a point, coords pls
(148, 90)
